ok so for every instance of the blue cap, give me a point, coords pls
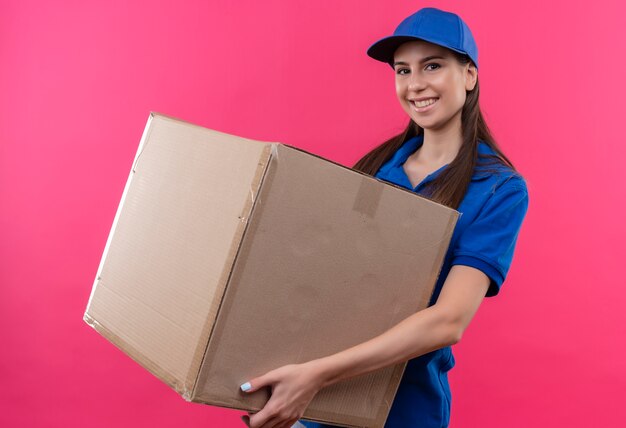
(432, 25)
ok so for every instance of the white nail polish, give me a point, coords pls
(246, 386)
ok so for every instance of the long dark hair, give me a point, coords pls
(449, 187)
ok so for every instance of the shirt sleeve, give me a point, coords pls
(489, 241)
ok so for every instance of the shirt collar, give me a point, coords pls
(412, 144)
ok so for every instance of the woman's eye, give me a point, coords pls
(402, 70)
(433, 63)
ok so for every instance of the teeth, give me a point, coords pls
(425, 102)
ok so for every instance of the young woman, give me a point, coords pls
(446, 153)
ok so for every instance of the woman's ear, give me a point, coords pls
(471, 75)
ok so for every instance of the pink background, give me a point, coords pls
(78, 80)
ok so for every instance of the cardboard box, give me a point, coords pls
(230, 257)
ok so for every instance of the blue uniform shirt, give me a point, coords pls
(484, 237)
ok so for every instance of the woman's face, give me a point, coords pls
(431, 84)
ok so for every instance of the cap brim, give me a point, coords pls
(383, 49)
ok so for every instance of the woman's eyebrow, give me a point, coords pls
(423, 60)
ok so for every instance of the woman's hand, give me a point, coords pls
(293, 387)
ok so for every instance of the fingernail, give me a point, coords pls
(246, 386)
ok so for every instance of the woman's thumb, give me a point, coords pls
(254, 384)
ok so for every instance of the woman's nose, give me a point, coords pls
(415, 82)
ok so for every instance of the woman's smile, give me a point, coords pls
(423, 105)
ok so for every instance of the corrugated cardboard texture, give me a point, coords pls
(172, 244)
(331, 258)
(230, 257)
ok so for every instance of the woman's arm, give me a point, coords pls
(295, 385)
(435, 327)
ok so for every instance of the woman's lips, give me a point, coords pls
(423, 109)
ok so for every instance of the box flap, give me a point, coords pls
(174, 238)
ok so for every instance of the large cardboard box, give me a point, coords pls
(230, 257)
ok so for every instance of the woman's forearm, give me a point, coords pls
(420, 333)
